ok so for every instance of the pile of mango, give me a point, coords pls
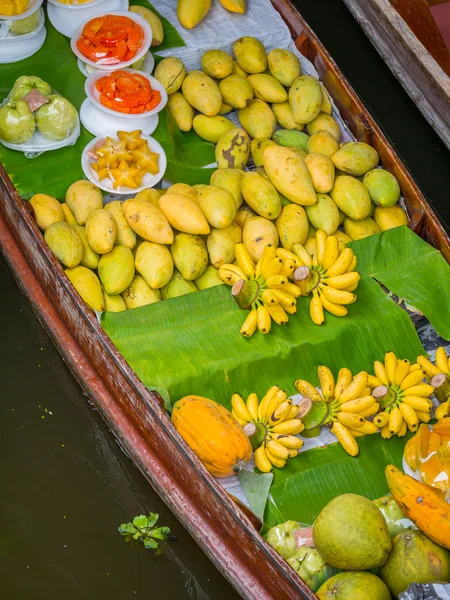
(337, 183)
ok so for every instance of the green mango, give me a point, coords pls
(351, 197)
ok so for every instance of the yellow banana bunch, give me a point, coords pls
(403, 395)
(271, 425)
(329, 275)
(439, 377)
(348, 404)
(264, 289)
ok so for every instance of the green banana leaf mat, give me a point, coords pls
(53, 172)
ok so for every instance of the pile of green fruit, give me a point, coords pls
(338, 184)
(352, 536)
(32, 106)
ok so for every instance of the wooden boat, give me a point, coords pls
(222, 527)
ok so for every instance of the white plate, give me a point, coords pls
(144, 48)
(66, 18)
(94, 96)
(13, 49)
(98, 122)
(106, 185)
(147, 67)
(32, 7)
(11, 38)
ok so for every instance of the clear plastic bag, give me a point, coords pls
(34, 118)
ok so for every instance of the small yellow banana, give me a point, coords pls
(413, 378)
(326, 380)
(263, 319)
(355, 388)
(230, 274)
(395, 420)
(441, 360)
(274, 403)
(401, 371)
(276, 281)
(284, 297)
(274, 267)
(358, 405)
(352, 265)
(321, 240)
(373, 381)
(316, 309)
(291, 427)
(268, 297)
(261, 460)
(307, 390)
(244, 260)
(421, 389)
(252, 406)
(381, 419)
(345, 437)
(288, 267)
(250, 324)
(369, 412)
(240, 421)
(240, 409)
(269, 252)
(276, 462)
(288, 255)
(443, 410)
(418, 403)
(278, 314)
(262, 408)
(293, 453)
(338, 296)
(342, 282)
(350, 420)
(368, 427)
(414, 367)
(403, 429)
(303, 255)
(291, 289)
(424, 417)
(428, 367)
(291, 310)
(342, 264)
(409, 415)
(390, 364)
(277, 449)
(292, 414)
(289, 441)
(331, 252)
(343, 381)
(386, 432)
(279, 415)
(334, 309)
(380, 372)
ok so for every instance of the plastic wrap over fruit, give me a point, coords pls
(288, 537)
(311, 567)
(34, 118)
(395, 519)
(427, 453)
(426, 591)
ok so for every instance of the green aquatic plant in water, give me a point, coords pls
(143, 529)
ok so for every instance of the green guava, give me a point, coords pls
(26, 84)
(27, 25)
(17, 122)
(394, 517)
(282, 539)
(57, 119)
(310, 566)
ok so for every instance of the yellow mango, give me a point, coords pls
(47, 210)
(218, 206)
(217, 63)
(257, 148)
(225, 108)
(243, 214)
(342, 237)
(183, 214)
(116, 270)
(236, 6)
(233, 149)
(148, 221)
(310, 245)
(138, 293)
(208, 279)
(351, 197)
(258, 119)
(382, 186)
(171, 73)
(202, 93)
(220, 244)
(83, 197)
(305, 97)
(261, 195)
(321, 170)
(177, 286)
(324, 122)
(355, 158)
(284, 66)
(285, 116)
(90, 258)
(181, 111)
(289, 174)
(154, 21)
(101, 231)
(358, 230)
(212, 129)
(184, 189)
(88, 286)
(125, 235)
(68, 215)
(148, 195)
(65, 243)
(322, 142)
(236, 91)
(114, 303)
(292, 226)
(267, 88)
(250, 55)
(256, 234)
(191, 12)
(189, 255)
(238, 71)
(229, 179)
(154, 262)
(388, 217)
(326, 102)
(324, 215)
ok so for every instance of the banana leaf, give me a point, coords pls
(412, 269)
(192, 345)
(53, 172)
(308, 482)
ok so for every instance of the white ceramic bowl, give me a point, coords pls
(94, 95)
(106, 185)
(99, 65)
(66, 18)
(147, 67)
(18, 47)
(99, 122)
(32, 7)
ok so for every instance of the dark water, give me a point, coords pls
(66, 486)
